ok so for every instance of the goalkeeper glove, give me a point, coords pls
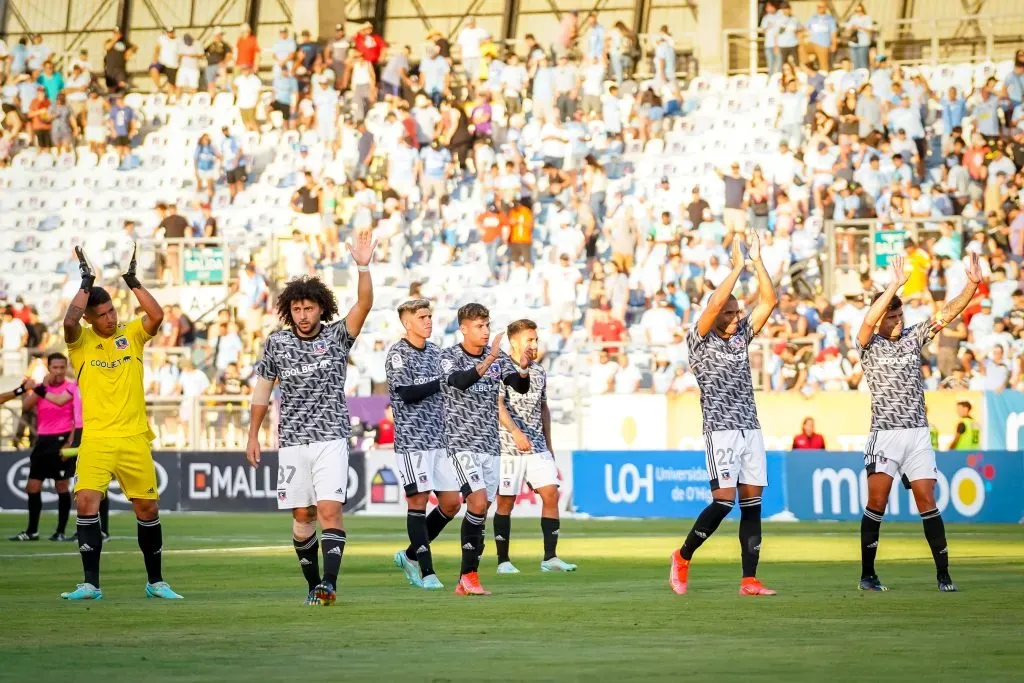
(85, 268)
(130, 278)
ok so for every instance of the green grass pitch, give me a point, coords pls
(613, 620)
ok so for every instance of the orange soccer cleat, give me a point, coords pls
(678, 574)
(469, 584)
(751, 586)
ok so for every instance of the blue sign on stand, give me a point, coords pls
(654, 483)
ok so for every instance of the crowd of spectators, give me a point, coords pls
(520, 158)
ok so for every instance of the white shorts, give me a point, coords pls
(309, 223)
(905, 453)
(96, 134)
(212, 175)
(312, 472)
(475, 471)
(538, 469)
(187, 78)
(735, 456)
(426, 471)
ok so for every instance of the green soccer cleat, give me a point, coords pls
(432, 583)
(507, 568)
(161, 589)
(84, 591)
(556, 565)
(410, 567)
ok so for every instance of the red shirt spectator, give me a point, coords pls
(246, 49)
(386, 430)
(369, 44)
(609, 329)
(808, 439)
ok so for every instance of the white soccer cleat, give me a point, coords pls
(507, 568)
(556, 565)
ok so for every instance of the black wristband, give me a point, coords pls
(87, 282)
(40, 391)
(131, 280)
(18, 391)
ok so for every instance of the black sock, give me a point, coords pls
(750, 534)
(935, 532)
(309, 559)
(870, 524)
(35, 508)
(419, 544)
(549, 527)
(105, 515)
(63, 511)
(332, 543)
(502, 532)
(471, 538)
(90, 543)
(151, 543)
(436, 522)
(707, 521)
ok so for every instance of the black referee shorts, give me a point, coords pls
(45, 462)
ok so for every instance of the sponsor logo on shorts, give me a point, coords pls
(121, 343)
(506, 483)
(282, 495)
(423, 479)
(474, 477)
(724, 475)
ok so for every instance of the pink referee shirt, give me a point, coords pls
(54, 419)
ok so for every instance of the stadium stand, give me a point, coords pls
(581, 181)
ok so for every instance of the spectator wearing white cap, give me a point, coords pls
(165, 61)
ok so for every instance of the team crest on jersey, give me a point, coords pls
(493, 371)
(396, 361)
(319, 346)
(908, 343)
(121, 343)
(446, 365)
(736, 340)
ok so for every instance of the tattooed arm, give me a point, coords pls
(73, 317)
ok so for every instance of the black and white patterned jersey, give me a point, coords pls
(722, 369)
(471, 416)
(892, 368)
(525, 411)
(311, 373)
(418, 426)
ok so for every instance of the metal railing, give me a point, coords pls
(924, 41)
(862, 245)
(187, 261)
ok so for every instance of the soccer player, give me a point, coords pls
(526, 452)
(899, 444)
(471, 375)
(309, 359)
(423, 463)
(734, 446)
(107, 357)
(57, 402)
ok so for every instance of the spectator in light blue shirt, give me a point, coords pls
(286, 90)
(788, 40)
(665, 55)
(434, 71)
(595, 37)
(544, 84)
(19, 57)
(770, 26)
(954, 108)
(38, 53)
(283, 49)
(822, 34)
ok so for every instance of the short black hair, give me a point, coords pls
(473, 311)
(306, 288)
(55, 356)
(413, 306)
(893, 305)
(965, 404)
(518, 326)
(97, 297)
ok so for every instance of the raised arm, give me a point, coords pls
(361, 249)
(881, 304)
(26, 386)
(153, 313)
(464, 379)
(76, 309)
(722, 292)
(957, 304)
(766, 297)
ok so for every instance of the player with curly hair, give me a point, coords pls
(308, 358)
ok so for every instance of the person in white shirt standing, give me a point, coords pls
(560, 284)
(165, 61)
(770, 26)
(470, 38)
